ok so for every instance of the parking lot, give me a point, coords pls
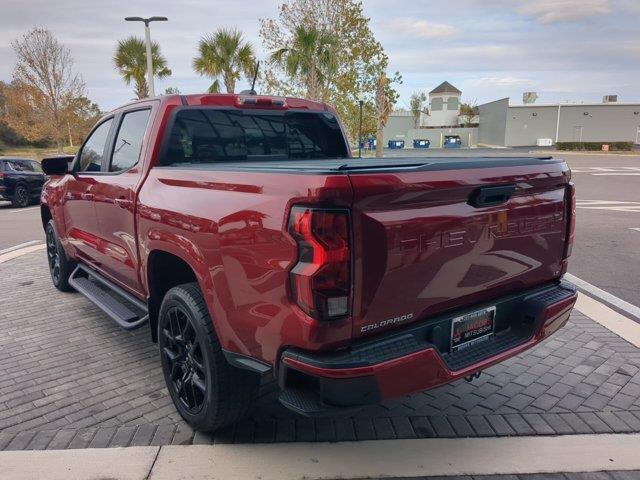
(70, 378)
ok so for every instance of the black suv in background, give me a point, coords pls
(21, 180)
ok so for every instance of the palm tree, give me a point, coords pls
(131, 61)
(312, 58)
(224, 54)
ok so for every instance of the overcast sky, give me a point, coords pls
(575, 50)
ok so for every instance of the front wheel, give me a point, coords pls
(207, 392)
(20, 196)
(60, 266)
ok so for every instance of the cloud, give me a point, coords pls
(551, 11)
(554, 11)
(485, 82)
(421, 28)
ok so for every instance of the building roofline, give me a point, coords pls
(601, 104)
(542, 105)
(445, 87)
(494, 101)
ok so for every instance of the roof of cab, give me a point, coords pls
(227, 99)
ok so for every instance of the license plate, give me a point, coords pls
(472, 328)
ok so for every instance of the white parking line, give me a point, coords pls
(635, 228)
(5, 257)
(22, 210)
(615, 205)
(619, 174)
(19, 246)
(605, 296)
(607, 170)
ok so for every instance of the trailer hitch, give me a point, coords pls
(473, 376)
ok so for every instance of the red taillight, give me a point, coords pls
(321, 279)
(571, 220)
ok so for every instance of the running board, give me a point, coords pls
(127, 311)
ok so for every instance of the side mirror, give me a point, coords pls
(58, 165)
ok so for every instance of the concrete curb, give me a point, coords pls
(132, 463)
(311, 461)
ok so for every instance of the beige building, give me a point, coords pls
(444, 106)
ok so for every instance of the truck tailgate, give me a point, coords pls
(430, 240)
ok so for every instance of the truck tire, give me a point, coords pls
(207, 392)
(20, 197)
(60, 266)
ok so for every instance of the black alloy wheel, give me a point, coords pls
(53, 256)
(21, 196)
(183, 353)
(60, 266)
(206, 390)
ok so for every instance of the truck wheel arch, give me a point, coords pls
(164, 271)
(45, 215)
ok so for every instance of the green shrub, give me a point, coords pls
(594, 146)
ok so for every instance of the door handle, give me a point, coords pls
(487, 196)
(123, 202)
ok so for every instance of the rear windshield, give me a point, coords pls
(209, 135)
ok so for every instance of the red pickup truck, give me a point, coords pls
(240, 228)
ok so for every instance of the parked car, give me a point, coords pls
(21, 180)
(240, 228)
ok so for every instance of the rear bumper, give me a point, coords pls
(417, 358)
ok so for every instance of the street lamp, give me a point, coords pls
(361, 102)
(147, 35)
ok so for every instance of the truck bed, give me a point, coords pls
(368, 165)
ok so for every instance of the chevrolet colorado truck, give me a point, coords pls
(243, 232)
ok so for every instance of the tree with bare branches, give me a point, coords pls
(416, 103)
(386, 98)
(45, 87)
(468, 112)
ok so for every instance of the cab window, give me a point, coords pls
(128, 145)
(93, 150)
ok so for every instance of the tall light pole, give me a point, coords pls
(361, 102)
(147, 36)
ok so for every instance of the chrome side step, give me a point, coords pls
(127, 311)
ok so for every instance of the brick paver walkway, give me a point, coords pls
(70, 378)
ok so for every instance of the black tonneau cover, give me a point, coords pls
(366, 165)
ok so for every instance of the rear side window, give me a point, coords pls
(20, 166)
(93, 149)
(206, 135)
(36, 167)
(126, 151)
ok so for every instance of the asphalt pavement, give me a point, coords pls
(606, 253)
(19, 225)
